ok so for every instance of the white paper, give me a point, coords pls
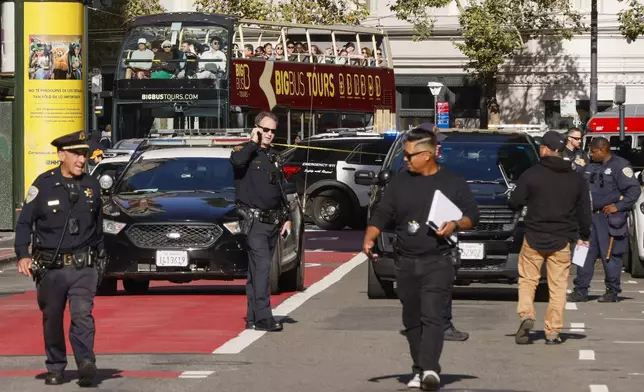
(579, 256)
(443, 210)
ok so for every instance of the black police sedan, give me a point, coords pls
(171, 216)
(490, 162)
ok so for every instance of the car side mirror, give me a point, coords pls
(290, 188)
(364, 177)
(384, 177)
(106, 181)
(640, 178)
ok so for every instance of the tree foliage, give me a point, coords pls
(631, 19)
(106, 26)
(296, 11)
(495, 30)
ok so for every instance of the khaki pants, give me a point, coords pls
(558, 267)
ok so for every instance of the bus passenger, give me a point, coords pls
(279, 52)
(162, 68)
(187, 68)
(140, 68)
(268, 51)
(210, 69)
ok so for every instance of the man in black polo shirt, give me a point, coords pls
(423, 264)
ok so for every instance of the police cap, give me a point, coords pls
(554, 141)
(617, 224)
(73, 141)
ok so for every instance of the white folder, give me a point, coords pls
(579, 255)
(443, 210)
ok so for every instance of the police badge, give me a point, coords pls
(413, 227)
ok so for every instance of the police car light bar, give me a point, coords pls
(200, 132)
(198, 141)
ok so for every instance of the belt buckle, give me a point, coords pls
(68, 259)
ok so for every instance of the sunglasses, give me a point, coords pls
(265, 129)
(410, 156)
(279, 48)
(575, 138)
(291, 47)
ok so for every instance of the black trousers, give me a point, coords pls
(261, 241)
(53, 290)
(424, 286)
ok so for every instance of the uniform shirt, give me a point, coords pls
(578, 159)
(608, 181)
(47, 206)
(253, 173)
(408, 197)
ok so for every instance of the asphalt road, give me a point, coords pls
(336, 339)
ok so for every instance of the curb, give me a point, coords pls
(8, 263)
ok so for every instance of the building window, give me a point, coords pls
(555, 121)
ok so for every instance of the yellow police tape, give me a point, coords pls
(325, 149)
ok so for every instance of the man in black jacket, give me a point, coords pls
(558, 215)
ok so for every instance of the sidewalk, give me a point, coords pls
(7, 255)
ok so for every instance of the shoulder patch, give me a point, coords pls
(628, 172)
(31, 194)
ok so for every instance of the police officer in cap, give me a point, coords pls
(262, 203)
(63, 205)
(614, 189)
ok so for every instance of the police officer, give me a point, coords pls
(424, 258)
(64, 206)
(573, 152)
(262, 202)
(613, 190)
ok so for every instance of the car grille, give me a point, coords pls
(496, 219)
(153, 236)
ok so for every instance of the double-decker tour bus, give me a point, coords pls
(197, 72)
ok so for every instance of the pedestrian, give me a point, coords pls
(95, 159)
(573, 152)
(262, 202)
(613, 190)
(423, 257)
(64, 207)
(557, 217)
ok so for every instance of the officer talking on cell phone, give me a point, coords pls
(62, 212)
(424, 258)
(262, 204)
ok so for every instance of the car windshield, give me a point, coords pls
(112, 169)
(481, 159)
(178, 175)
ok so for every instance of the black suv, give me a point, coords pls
(323, 169)
(490, 162)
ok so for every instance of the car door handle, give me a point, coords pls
(349, 168)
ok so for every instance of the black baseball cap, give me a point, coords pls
(554, 141)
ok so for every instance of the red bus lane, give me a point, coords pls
(194, 318)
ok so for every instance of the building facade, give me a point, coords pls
(530, 87)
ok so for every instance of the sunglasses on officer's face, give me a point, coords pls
(265, 129)
(409, 156)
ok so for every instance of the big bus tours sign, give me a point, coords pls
(302, 86)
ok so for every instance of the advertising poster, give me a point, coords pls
(54, 95)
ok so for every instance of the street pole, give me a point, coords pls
(619, 99)
(435, 88)
(593, 58)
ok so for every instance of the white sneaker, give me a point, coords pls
(431, 381)
(415, 382)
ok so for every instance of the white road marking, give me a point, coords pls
(586, 355)
(623, 319)
(571, 306)
(320, 250)
(248, 336)
(569, 291)
(312, 264)
(322, 239)
(626, 342)
(636, 374)
(313, 230)
(598, 388)
(196, 374)
(631, 281)
(641, 291)
(577, 327)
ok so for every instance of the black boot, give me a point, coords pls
(54, 378)
(86, 373)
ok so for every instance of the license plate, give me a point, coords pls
(472, 251)
(172, 258)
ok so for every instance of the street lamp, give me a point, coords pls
(435, 88)
(593, 57)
